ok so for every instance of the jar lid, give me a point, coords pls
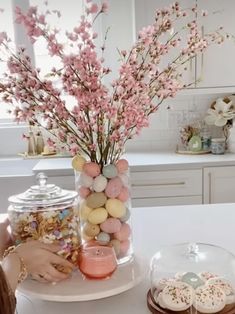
(218, 140)
(43, 194)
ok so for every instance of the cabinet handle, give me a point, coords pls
(209, 177)
(159, 184)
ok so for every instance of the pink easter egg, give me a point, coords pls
(114, 187)
(122, 165)
(91, 169)
(124, 247)
(124, 195)
(124, 233)
(111, 225)
(84, 192)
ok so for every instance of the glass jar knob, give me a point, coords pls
(42, 181)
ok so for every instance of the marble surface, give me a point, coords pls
(145, 162)
(153, 228)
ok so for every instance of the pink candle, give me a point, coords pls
(97, 261)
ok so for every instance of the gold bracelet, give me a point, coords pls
(23, 270)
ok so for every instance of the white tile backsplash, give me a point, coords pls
(163, 131)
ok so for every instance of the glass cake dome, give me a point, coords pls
(192, 278)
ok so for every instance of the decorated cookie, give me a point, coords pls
(209, 299)
(177, 296)
(222, 284)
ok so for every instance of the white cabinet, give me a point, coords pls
(216, 67)
(172, 187)
(219, 185)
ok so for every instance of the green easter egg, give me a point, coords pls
(195, 143)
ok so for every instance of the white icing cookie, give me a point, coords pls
(222, 284)
(209, 299)
(177, 296)
(206, 275)
(158, 299)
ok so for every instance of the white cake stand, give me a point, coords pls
(78, 288)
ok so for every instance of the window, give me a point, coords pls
(6, 25)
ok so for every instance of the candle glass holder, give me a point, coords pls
(97, 262)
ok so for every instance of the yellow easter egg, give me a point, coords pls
(98, 215)
(91, 230)
(78, 162)
(85, 211)
(115, 208)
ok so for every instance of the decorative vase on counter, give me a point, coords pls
(104, 197)
(231, 138)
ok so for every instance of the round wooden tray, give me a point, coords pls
(189, 152)
(152, 305)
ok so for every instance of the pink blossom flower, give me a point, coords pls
(103, 117)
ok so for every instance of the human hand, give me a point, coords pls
(5, 236)
(43, 263)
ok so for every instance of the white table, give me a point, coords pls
(153, 228)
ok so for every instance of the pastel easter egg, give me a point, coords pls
(86, 237)
(126, 216)
(85, 180)
(98, 215)
(125, 179)
(84, 192)
(122, 165)
(115, 208)
(100, 183)
(103, 238)
(110, 171)
(111, 225)
(114, 187)
(96, 199)
(91, 230)
(124, 233)
(78, 162)
(124, 247)
(84, 211)
(91, 169)
(116, 245)
(124, 194)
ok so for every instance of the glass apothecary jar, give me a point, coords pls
(47, 213)
(192, 278)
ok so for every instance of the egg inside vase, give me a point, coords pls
(192, 278)
(105, 205)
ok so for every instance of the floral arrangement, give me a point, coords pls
(104, 117)
(222, 111)
(221, 114)
(187, 132)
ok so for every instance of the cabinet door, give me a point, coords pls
(144, 16)
(215, 68)
(219, 185)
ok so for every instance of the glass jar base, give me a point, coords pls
(125, 259)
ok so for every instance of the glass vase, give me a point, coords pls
(105, 207)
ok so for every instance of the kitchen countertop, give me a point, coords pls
(145, 162)
(153, 228)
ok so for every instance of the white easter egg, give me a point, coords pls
(85, 180)
(99, 183)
